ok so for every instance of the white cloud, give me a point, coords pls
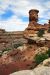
(13, 24)
(21, 8)
(47, 4)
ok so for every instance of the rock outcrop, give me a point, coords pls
(42, 70)
(33, 25)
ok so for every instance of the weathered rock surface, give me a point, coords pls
(41, 50)
(46, 62)
(42, 70)
(22, 48)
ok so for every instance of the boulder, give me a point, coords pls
(46, 62)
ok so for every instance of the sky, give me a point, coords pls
(14, 13)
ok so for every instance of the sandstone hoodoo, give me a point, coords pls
(33, 15)
(34, 26)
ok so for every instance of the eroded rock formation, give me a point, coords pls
(33, 25)
(22, 57)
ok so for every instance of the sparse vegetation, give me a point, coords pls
(40, 33)
(40, 57)
(48, 30)
(48, 52)
(6, 49)
(17, 45)
(0, 53)
(30, 46)
(31, 42)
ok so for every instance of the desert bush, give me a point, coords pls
(30, 46)
(0, 53)
(6, 49)
(48, 52)
(40, 57)
(40, 33)
(48, 30)
(31, 41)
(17, 45)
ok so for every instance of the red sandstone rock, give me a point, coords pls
(33, 26)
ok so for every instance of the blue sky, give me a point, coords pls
(14, 13)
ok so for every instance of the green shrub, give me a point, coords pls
(48, 30)
(30, 46)
(40, 57)
(0, 53)
(6, 49)
(40, 33)
(17, 45)
(30, 41)
(48, 52)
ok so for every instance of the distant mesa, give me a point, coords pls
(2, 30)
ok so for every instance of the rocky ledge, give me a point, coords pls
(42, 69)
